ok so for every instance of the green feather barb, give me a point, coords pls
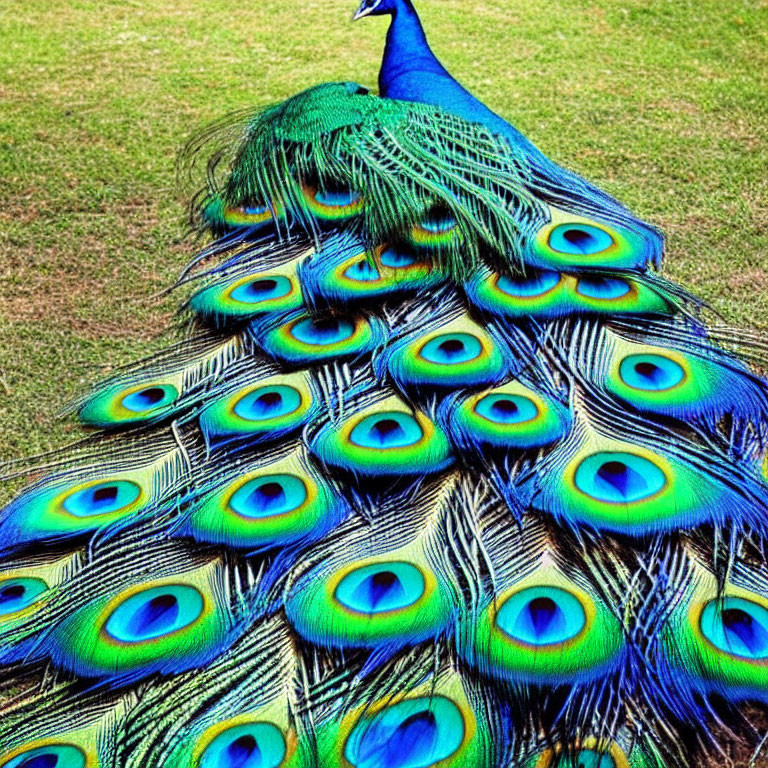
(408, 162)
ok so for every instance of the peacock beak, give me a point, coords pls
(363, 10)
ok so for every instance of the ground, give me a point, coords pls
(662, 102)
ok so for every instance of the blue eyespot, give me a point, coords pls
(416, 733)
(619, 478)
(736, 626)
(17, 594)
(337, 198)
(155, 612)
(438, 222)
(252, 745)
(388, 429)
(102, 499)
(49, 756)
(452, 349)
(323, 332)
(507, 409)
(579, 239)
(528, 285)
(268, 403)
(396, 259)
(363, 271)
(259, 210)
(585, 758)
(653, 373)
(381, 587)
(262, 289)
(268, 496)
(541, 616)
(149, 399)
(603, 287)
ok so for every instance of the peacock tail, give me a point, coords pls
(444, 473)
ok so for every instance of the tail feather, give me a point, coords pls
(443, 474)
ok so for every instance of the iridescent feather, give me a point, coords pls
(444, 474)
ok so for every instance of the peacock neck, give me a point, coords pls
(407, 52)
(411, 72)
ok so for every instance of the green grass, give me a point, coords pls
(662, 102)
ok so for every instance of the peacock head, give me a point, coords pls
(375, 8)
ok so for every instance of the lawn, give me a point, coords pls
(662, 102)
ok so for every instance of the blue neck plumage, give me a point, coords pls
(411, 72)
(407, 50)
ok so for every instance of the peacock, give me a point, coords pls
(443, 473)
